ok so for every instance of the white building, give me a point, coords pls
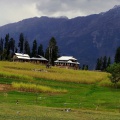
(21, 57)
(26, 58)
(67, 61)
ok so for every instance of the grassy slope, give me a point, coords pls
(79, 96)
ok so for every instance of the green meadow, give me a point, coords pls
(36, 92)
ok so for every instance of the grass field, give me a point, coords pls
(90, 95)
(34, 112)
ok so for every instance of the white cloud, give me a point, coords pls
(16, 10)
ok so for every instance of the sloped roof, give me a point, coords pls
(42, 57)
(66, 58)
(57, 61)
(39, 58)
(22, 56)
(26, 56)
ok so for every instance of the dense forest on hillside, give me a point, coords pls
(8, 47)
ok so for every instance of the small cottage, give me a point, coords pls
(67, 61)
(39, 59)
(21, 57)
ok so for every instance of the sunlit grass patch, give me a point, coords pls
(30, 71)
(15, 76)
(28, 87)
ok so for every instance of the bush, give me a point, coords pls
(114, 69)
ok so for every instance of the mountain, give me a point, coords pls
(86, 37)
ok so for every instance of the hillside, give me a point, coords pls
(86, 37)
(63, 93)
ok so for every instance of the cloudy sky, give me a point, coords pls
(16, 10)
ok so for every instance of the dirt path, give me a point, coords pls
(5, 87)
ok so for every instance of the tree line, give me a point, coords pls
(114, 69)
(104, 64)
(8, 47)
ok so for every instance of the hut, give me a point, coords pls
(21, 57)
(67, 61)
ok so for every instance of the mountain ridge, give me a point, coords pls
(86, 37)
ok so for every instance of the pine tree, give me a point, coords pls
(21, 43)
(108, 62)
(6, 47)
(99, 63)
(117, 55)
(1, 47)
(12, 45)
(6, 41)
(11, 48)
(4, 55)
(98, 67)
(1, 44)
(47, 53)
(52, 51)
(83, 67)
(34, 49)
(40, 50)
(86, 68)
(104, 64)
(27, 48)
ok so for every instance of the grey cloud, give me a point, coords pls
(16, 10)
(86, 7)
(50, 6)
